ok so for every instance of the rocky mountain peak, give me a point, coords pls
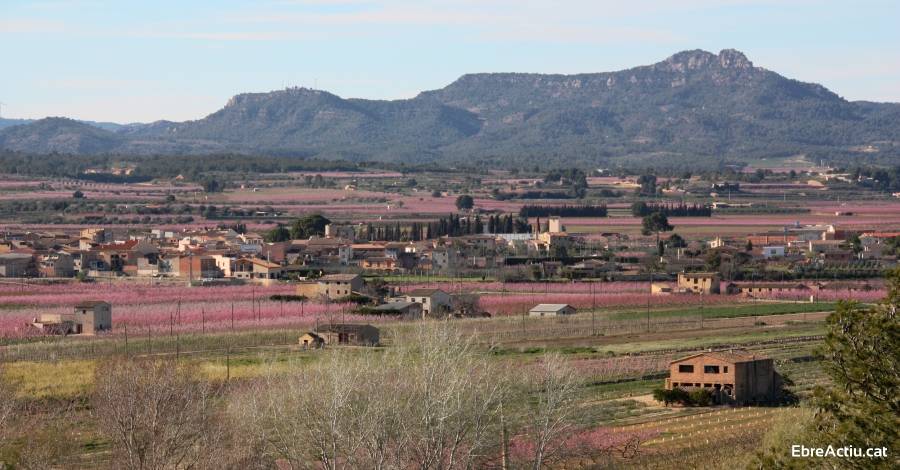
(731, 58)
(699, 59)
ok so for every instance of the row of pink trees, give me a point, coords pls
(198, 317)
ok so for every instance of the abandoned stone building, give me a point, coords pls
(332, 286)
(342, 334)
(87, 318)
(311, 340)
(733, 377)
(699, 283)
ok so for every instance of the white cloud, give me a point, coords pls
(31, 26)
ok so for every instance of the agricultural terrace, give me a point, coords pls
(616, 374)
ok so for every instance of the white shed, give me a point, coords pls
(551, 310)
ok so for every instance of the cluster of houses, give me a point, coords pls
(225, 254)
(817, 242)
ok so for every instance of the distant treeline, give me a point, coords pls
(641, 209)
(453, 226)
(537, 195)
(565, 211)
(192, 168)
(879, 179)
(111, 178)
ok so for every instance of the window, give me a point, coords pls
(725, 369)
(685, 368)
(710, 369)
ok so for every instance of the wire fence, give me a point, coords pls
(150, 342)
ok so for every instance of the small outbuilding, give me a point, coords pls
(348, 334)
(94, 315)
(661, 289)
(551, 310)
(402, 308)
(311, 340)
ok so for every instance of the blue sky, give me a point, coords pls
(132, 60)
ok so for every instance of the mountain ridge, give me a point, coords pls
(693, 104)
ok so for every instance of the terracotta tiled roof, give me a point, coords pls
(732, 356)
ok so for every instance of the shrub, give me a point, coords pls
(358, 299)
(288, 298)
(700, 397)
(676, 395)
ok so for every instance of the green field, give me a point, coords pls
(730, 311)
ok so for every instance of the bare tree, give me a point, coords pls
(9, 406)
(9, 403)
(550, 408)
(431, 402)
(48, 442)
(466, 304)
(454, 394)
(305, 418)
(156, 414)
(43, 428)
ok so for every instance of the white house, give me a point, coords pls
(773, 251)
(432, 300)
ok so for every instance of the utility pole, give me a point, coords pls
(650, 294)
(593, 310)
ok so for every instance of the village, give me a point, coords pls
(661, 311)
(548, 251)
(394, 235)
